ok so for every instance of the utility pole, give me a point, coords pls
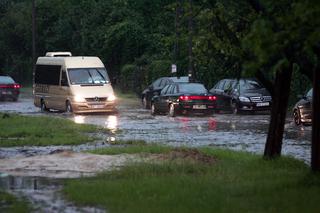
(33, 35)
(191, 72)
(176, 54)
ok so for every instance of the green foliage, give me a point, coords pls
(230, 38)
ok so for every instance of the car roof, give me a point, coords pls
(184, 79)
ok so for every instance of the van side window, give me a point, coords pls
(64, 80)
(47, 74)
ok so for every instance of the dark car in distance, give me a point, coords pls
(302, 111)
(157, 86)
(9, 89)
(182, 98)
(239, 95)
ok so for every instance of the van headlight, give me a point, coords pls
(244, 99)
(111, 98)
(78, 98)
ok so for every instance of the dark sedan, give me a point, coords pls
(182, 98)
(157, 86)
(302, 111)
(9, 89)
(241, 95)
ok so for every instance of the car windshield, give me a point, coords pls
(88, 76)
(192, 88)
(309, 94)
(250, 85)
(6, 80)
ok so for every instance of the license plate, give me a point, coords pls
(6, 93)
(97, 106)
(263, 104)
(199, 107)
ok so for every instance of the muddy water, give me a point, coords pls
(42, 193)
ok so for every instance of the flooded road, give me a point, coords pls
(238, 132)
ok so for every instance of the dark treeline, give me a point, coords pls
(138, 40)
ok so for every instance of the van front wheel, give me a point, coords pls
(43, 106)
(68, 107)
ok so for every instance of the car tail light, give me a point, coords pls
(212, 98)
(197, 97)
(17, 86)
(184, 98)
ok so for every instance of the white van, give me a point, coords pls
(69, 83)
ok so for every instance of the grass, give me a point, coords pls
(9, 203)
(235, 182)
(17, 130)
(131, 147)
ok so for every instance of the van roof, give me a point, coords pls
(71, 61)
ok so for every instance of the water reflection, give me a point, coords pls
(187, 125)
(112, 123)
(79, 119)
(109, 122)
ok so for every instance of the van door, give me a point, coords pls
(64, 91)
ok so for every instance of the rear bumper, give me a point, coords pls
(9, 93)
(196, 107)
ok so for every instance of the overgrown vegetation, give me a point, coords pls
(139, 39)
(10, 204)
(232, 182)
(19, 130)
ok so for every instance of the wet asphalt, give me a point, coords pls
(246, 132)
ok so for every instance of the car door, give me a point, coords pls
(164, 98)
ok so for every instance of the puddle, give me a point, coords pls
(42, 193)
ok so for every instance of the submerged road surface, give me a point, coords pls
(238, 132)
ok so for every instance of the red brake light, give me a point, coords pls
(184, 98)
(197, 97)
(212, 98)
(16, 86)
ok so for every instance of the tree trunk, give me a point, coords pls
(315, 146)
(278, 112)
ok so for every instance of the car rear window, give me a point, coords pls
(6, 80)
(192, 88)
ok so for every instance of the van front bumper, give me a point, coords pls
(84, 107)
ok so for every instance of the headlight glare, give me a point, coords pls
(244, 99)
(79, 99)
(111, 98)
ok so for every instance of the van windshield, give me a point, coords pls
(88, 76)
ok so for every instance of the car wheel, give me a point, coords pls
(296, 117)
(154, 111)
(68, 107)
(172, 110)
(43, 106)
(234, 108)
(145, 103)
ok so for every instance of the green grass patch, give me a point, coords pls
(235, 182)
(131, 147)
(17, 130)
(9, 203)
